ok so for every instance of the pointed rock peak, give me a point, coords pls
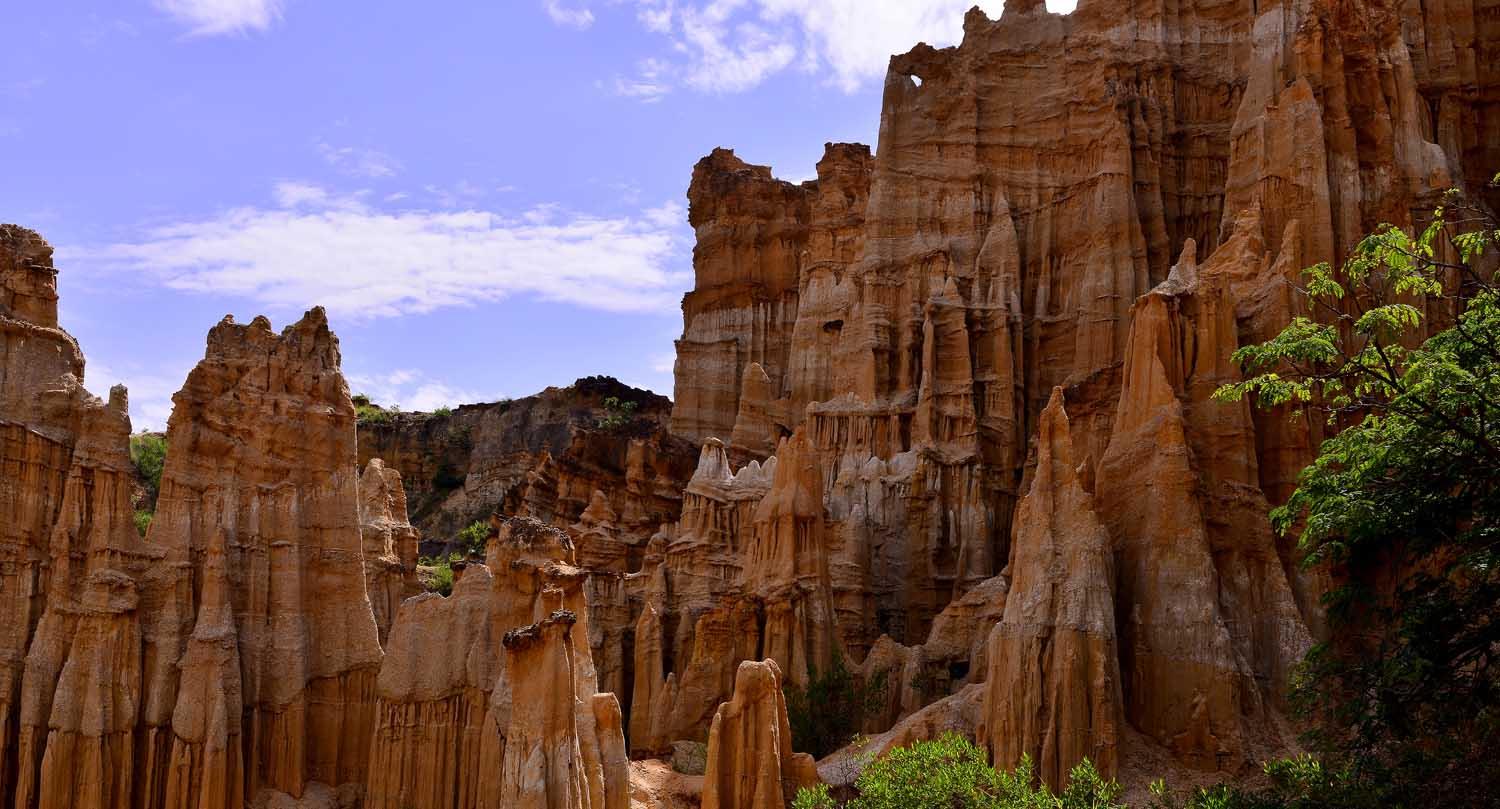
(713, 463)
(754, 372)
(599, 511)
(1055, 436)
(1149, 384)
(1184, 274)
(976, 20)
(261, 322)
(796, 481)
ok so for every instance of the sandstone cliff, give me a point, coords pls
(1104, 233)
(750, 760)
(544, 456)
(950, 404)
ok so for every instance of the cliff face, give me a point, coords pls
(551, 456)
(951, 409)
(1110, 228)
(233, 656)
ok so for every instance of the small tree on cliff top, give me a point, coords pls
(1403, 504)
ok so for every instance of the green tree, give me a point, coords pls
(1294, 783)
(148, 452)
(617, 413)
(826, 714)
(1402, 504)
(472, 537)
(950, 772)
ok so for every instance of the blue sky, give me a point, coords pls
(487, 196)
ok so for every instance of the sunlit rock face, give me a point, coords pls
(950, 404)
(1095, 209)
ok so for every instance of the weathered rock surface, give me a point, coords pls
(1114, 227)
(498, 678)
(751, 764)
(951, 402)
(389, 541)
(544, 456)
(1053, 688)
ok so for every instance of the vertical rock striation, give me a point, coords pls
(1053, 688)
(750, 760)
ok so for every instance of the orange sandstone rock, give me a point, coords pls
(1053, 689)
(750, 760)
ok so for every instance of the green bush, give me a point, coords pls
(830, 710)
(148, 452)
(617, 413)
(472, 537)
(143, 521)
(1295, 783)
(439, 578)
(369, 413)
(950, 772)
(443, 412)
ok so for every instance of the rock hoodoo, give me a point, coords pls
(1053, 687)
(750, 760)
(951, 409)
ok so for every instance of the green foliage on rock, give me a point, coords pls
(148, 452)
(617, 413)
(827, 713)
(142, 519)
(1295, 783)
(1401, 357)
(951, 772)
(472, 537)
(436, 575)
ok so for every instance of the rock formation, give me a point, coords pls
(951, 403)
(1053, 688)
(1114, 227)
(498, 678)
(750, 760)
(542, 456)
(389, 542)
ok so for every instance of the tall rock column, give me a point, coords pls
(260, 483)
(1053, 690)
(786, 565)
(390, 543)
(750, 760)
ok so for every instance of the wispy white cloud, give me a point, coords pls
(213, 17)
(734, 45)
(318, 247)
(359, 162)
(291, 194)
(579, 17)
(649, 85)
(415, 390)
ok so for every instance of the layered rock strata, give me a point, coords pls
(1053, 687)
(389, 543)
(498, 678)
(751, 764)
(1115, 227)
